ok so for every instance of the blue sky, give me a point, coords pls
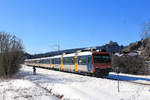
(73, 23)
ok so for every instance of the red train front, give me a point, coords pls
(101, 63)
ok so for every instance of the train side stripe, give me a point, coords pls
(61, 63)
(50, 63)
(76, 63)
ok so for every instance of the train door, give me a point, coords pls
(89, 63)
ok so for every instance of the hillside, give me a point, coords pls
(142, 47)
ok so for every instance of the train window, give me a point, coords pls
(35, 61)
(68, 61)
(101, 58)
(82, 60)
(53, 61)
(45, 61)
(38, 61)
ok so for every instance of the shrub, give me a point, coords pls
(130, 64)
(11, 50)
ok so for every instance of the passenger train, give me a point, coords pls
(97, 63)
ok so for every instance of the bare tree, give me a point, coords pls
(11, 50)
(145, 31)
(145, 35)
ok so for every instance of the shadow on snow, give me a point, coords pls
(127, 78)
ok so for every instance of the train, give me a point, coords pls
(95, 63)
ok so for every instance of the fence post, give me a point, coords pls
(117, 70)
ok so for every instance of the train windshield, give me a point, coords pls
(101, 58)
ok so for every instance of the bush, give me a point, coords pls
(130, 64)
(11, 50)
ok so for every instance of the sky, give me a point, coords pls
(42, 24)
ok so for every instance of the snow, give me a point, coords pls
(18, 89)
(130, 54)
(77, 87)
(118, 54)
(133, 54)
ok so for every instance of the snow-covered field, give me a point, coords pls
(18, 89)
(77, 87)
(49, 85)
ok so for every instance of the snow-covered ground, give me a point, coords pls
(18, 89)
(77, 87)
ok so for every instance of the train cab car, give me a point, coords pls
(101, 63)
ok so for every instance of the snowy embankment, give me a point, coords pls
(77, 87)
(18, 89)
